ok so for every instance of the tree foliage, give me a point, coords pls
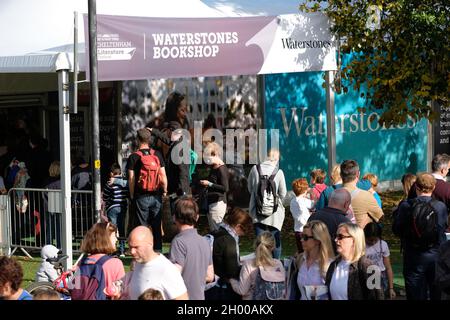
(400, 53)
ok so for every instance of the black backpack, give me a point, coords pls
(266, 194)
(420, 231)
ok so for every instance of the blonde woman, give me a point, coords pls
(318, 254)
(216, 184)
(347, 277)
(263, 266)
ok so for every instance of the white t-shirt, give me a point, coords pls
(339, 281)
(159, 274)
(376, 253)
(299, 208)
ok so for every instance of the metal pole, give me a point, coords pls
(260, 123)
(74, 85)
(92, 22)
(331, 122)
(64, 153)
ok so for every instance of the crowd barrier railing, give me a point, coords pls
(31, 218)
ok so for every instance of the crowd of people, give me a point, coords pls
(341, 254)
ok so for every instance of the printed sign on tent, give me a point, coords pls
(139, 48)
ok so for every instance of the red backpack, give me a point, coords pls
(148, 179)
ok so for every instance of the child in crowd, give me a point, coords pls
(115, 196)
(300, 208)
(46, 294)
(46, 270)
(151, 294)
(374, 181)
(377, 251)
(318, 182)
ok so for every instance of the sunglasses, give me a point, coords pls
(341, 236)
(306, 238)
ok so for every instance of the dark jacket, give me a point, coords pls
(293, 291)
(225, 258)
(357, 280)
(38, 162)
(332, 218)
(177, 174)
(403, 213)
(441, 192)
(219, 189)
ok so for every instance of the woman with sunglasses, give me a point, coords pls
(312, 264)
(352, 276)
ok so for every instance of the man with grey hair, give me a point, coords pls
(335, 213)
(440, 168)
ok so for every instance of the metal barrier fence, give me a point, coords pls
(31, 218)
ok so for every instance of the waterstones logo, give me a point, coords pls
(289, 43)
(345, 123)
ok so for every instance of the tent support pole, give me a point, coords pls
(93, 76)
(260, 123)
(64, 153)
(331, 122)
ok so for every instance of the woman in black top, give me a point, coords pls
(216, 184)
(226, 259)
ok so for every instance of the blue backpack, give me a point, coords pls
(89, 280)
(268, 290)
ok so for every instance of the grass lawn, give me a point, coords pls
(390, 200)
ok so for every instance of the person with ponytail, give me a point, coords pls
(263, 262)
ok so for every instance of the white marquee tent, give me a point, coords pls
(36, 43)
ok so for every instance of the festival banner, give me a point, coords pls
(141, 48)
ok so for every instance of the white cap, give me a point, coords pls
(49, 251)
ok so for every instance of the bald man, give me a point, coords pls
(335, 213)
(152, 269)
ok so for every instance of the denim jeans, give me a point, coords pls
(116, 215)
(419, 271)
(260, 228)
(148, 213)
